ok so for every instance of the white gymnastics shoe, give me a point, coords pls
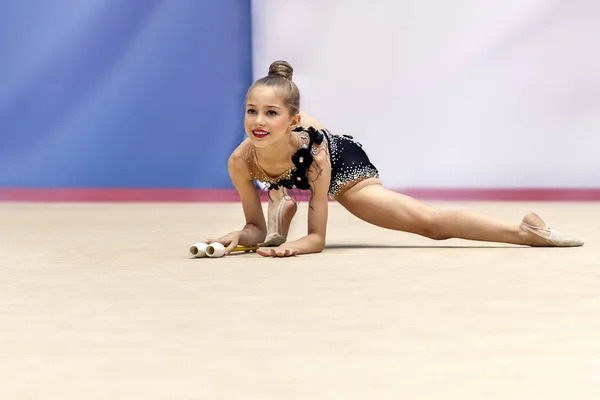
(552, 238)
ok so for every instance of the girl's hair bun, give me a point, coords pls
(282, 68)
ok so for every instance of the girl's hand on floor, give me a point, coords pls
(278, 252)
(230, 240)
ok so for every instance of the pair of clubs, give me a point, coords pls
(216, 250)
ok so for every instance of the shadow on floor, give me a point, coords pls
(380, 246)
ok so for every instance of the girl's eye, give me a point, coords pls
(271, 113)
(251, 111)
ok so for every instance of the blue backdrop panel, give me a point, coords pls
(107, 93)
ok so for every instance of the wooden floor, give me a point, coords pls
(101, 301)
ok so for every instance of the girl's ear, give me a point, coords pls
(295, 121)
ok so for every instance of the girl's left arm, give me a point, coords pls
(320, 175)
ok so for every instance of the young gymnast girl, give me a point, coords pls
(287, 149)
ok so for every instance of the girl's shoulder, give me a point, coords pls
(306, 120)
(239, 160)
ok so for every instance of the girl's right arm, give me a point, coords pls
(255, 230)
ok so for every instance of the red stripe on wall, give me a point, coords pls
(520, 194)
(119, 195)
(230, 195)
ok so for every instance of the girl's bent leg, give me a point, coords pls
(281, 211)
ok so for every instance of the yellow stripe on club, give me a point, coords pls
(245, 248)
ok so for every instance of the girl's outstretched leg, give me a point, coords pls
(385, 208)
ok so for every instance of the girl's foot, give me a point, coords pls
(280, 221)
(542, 236)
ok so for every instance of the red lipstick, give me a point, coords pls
(259, 133)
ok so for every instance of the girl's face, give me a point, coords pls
(267, 117)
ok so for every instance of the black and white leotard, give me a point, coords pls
(349, 162)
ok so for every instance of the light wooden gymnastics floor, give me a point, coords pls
(100, 301)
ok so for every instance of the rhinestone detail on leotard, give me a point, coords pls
(347, 168)
(295, 177)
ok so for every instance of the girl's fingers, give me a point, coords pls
(287, 252)
(264, 253)
(276, 252)
(231, 246)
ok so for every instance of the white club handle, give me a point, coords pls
(198, 250)
(215, 250)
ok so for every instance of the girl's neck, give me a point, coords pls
(278, 153)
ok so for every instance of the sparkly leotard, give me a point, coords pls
(349, 162)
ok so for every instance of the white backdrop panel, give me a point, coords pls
(449, 94)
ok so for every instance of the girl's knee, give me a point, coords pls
(432, 226)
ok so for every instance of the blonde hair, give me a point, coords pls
(280, 76)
